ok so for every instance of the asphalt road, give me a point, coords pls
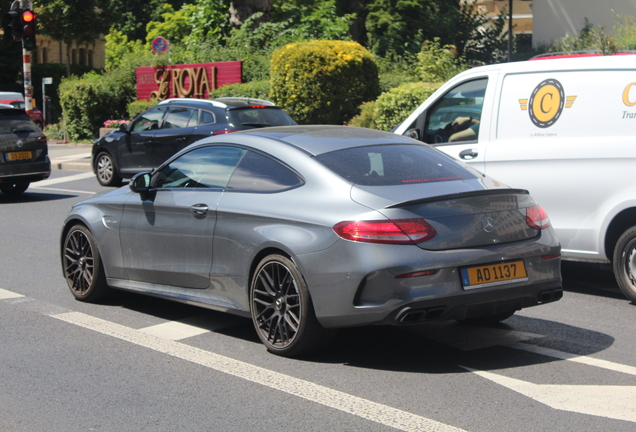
(143, 364)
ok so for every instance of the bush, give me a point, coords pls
(394, 106)
(323, 82)
(137, 107)
(254, 89)
(367, 116)
(89, 101)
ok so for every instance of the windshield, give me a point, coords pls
(385, 165)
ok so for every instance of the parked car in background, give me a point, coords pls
(306, 229)
(161, 131)
(16, 100)
(23, 151)
(35, 114)
(563, 128)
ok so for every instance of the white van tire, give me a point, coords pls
(625, 263)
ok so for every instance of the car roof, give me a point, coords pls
(318, 139)
(222, 102)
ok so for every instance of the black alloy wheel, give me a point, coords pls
(82, 265)
(281, 309)
(625, 263)
(14, 189)
(105, 170)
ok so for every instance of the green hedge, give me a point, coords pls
(254, 89)
(395, 105)
(323, 82)
(89, 101)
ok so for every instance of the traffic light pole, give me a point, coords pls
(26, 66)
(28, 85)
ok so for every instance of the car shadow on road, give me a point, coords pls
(29, 197)
(432, 348)
(590, 279)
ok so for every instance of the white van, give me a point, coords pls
(565, 129)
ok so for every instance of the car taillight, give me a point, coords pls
(223, 131)
(537, 218)
(258, 106)
(399, 231)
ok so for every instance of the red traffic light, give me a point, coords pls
(28, 16)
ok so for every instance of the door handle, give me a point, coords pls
(468, 154)
(199, 209)
(180, 139)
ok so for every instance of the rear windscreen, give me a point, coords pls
(15, 121)
(247, 118)
(385, 165)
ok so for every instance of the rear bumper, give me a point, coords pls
(25, 172)
(475, 304)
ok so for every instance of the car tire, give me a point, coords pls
(14, 189)
(106, 171)
(82, 265)
(490, 319)
(625, 263)
(282, 311)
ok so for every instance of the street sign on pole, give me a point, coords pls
(45, 81)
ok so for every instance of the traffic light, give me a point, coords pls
(14, 18)
(29, 25)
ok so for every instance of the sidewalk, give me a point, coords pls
(70, 156)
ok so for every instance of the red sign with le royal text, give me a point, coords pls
(186, 81)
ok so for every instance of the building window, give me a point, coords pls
(82, 56)
(90, 58)
(45, 55)
(73, 56)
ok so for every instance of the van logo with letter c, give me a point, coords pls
(546, 103)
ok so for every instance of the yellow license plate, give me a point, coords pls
(494, 274)
(19, 155)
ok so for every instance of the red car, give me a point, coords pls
(35, 114)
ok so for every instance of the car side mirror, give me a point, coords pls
(412, 133)
(123, 128)
(140, 184)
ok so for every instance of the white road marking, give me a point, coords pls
(35, 186)
(590, 361)
(5, 294)
(174, 330)
(58, 180)
(616, 402)
(350, 404)
(70, 158)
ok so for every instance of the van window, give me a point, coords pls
(456, 116)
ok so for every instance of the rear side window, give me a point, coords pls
(181, 117)
(258, 173)
(386, 165)
(248, 118)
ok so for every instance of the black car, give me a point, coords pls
(24, 156)
(161, 131)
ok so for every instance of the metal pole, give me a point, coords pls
(509, 30)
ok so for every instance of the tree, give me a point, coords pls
(11, 58)
(71, 21)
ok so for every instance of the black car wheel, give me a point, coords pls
(14, 189)
(281, 308)
(625, 263)
(105, 170)
(82, 264)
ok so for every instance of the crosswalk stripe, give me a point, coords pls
(335, 399)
